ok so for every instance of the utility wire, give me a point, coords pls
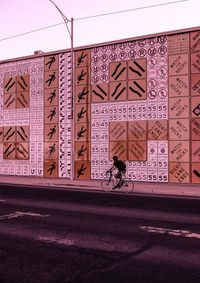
(94, 16)
(20, 34)
(130, 10)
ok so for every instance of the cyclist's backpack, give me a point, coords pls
(122, 165)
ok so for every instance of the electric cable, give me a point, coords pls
(93, 16)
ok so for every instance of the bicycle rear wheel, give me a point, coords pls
(127, 187)
(106, 185)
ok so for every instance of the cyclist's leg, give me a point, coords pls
(122, 176)
(115, 182)
(118, 179)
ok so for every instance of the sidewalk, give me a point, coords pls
(140, 187)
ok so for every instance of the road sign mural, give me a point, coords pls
(135, 74)
(32, 107)
(146, 89)
(137, 99)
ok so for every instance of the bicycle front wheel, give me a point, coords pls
(106, 185)
(127, 187)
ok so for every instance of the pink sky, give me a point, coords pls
(19, 16)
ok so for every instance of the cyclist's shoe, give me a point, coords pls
(115, 187)
(122, 182)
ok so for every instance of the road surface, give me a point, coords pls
(51, 235)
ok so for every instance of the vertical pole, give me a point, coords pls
(72, 100)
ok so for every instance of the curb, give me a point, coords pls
(143, 189)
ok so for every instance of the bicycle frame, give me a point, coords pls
(107, 185)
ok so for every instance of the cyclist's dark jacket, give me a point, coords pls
(120, 165)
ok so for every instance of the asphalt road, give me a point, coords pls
(51, 235)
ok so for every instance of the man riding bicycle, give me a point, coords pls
(118, 177)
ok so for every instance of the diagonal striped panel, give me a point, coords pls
(118, 91)
(137, 69)
(137, 90)
(100, 93)
(118, 71)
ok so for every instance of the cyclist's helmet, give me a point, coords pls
(115, 158)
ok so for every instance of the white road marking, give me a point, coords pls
(88, 241)
(19, 214)
(2, 200)
(183, 233)
(56, 240)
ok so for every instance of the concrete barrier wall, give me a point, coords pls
(137, 99)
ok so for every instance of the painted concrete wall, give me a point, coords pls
(137, 99)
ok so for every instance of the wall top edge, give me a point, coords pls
(179, 31)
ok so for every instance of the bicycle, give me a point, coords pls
(127, 186)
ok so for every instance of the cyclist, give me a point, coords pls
(121, 166)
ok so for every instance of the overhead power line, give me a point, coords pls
(94, 16)
(130, 10)
(35, 30)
